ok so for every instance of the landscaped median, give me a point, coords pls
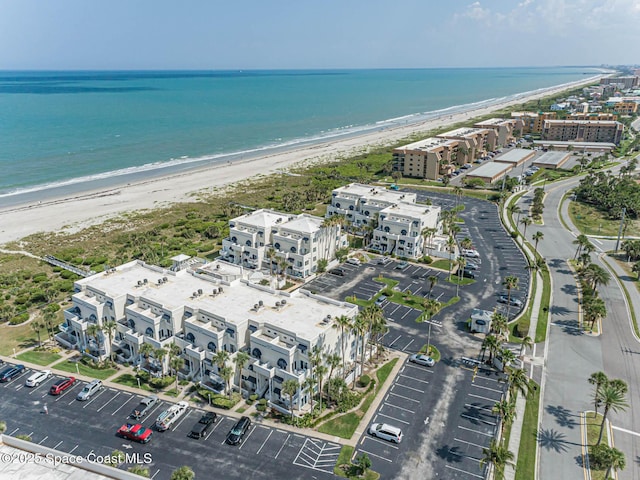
(598, 458)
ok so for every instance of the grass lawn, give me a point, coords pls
(460, 280)
(593, 430)
(39, 358)
(383, 372)
(343, 459)
(627, 268)
(16, 337)
(433, 352)
(242, 409)
(525, 469)
(591, 221)
(342, 426)
(442, 264)
(69, 366)
(543, 317)
(174, 392)
(132, 381)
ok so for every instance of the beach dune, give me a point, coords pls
(79, 210)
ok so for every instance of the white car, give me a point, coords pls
(353, 261)
(169, 416)
(37, 378)
(422, 360)
(386, 432)
(471, 253)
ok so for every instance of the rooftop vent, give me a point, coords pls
(164, 279)
(220, 290)
(217, 266)
(261, 303)
(277, 304)
(159, 281)
(145, 281)
(214, 291)
(199, 291)
(283, 302)
(139, 283)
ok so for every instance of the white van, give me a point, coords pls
(471, 253)
(386, 432)
(169, 416)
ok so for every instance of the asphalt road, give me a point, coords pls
(84, 428)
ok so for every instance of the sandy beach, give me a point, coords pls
(73, 213)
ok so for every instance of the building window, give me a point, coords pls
(351, 207)
(293, 249)
(234, 239)
(366, 212)
(231, 332)
(191, 338)
(256, 353)
(282, 363)
(403, 232)
(132, 324)
(337, 205)
(212, 347)
(387, 229)
(149, 332)
(248, 242)
(276, 246)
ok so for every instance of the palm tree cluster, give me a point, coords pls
(608, 393)
(537, 205)
(591, 276)
(610, 194)
(632, 251)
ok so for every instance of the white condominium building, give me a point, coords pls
(301, 239)
(360, 203)
(400, 229)
(206, 308)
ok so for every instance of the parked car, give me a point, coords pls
(514, 302)
(477, 160)
(135, 432)
(37, 378)
(353, 261)
(89, 390)
(62, 385)
(422, 360)
(202, 426)
(471, 266)
(144, 407)
(337, 271)
(471, 253)
(468, 273)
(386, 432)
(402, 265)
(380, 300)
(467, 166)
(169, 416)
(10, 372)
(383, 260)
(235, 435)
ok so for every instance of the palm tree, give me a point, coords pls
(507, 357)
(614, 461)
(527, 342)
(431, 307)
(360, 328)
(536, 238)
(596, 275)
(220, 359)
(461, 262)
(226, 373)
(492, 344)
(379, 329)
(466, 243)
(497, 455)
(526, 221)
(241, 360)
(333, 361)
(321, 371)
(159, 354)
(92, 331)
(594, 309)
(37, 327)
(310, 384)
(598, 379)
(518, 381)
(636, 269)
(271, 255)
(50, 317)
(457, 191)
(506, 410)
(344, 323)
(451, 244)
(110, 329)
(145, 350)
(510, 283)
(500, 325)
(289, 388)
(581, 241)
(433, 280)
(176, 363)
(613, 399)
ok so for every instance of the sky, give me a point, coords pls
(323, 34)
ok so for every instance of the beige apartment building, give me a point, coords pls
(533, 122)
(612, 117)
(504, 128)
(626, 108)
(583, 131)
(473, 142)
(430, 158)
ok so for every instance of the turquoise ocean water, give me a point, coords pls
(69, 130)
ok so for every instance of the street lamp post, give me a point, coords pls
(77, 369)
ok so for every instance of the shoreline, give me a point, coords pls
(71, 212)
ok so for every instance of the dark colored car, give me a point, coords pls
(337, 271)
(135, 432)
(201, 428)
(471, 266)
(11, 372)
(234, 437)
(468, 274)
(61, 385)
(515, 302)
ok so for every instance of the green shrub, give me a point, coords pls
(18, 319)
(364, 381)
(261, 408)
(160, 383)
(426, 259)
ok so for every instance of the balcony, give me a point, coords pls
(195, 352)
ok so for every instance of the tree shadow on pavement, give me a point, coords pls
(450, 454)
(570, 289)
(558, 310)
(571, 327)
(556, 263)
(552, 440)
(564, 417)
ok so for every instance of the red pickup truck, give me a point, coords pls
(135, 432)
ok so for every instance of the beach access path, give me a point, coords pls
(78, 211)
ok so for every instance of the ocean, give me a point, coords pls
(65, 131)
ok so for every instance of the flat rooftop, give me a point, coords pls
(463, 132)
(577, 145)
(603, 123)
(490, 169)
(262, 218)
(427, 144)
(301, 315)
(412, 209)
(514, 156)
(494, 122)
(369, 191)
(552, 158)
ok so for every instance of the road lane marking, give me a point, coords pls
(625, 431)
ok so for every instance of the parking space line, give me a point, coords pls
(393, 418)
(244, 441)
(381, 442)
(265, 441)
(57, 445)
(479, 408)
(414, 379)
(399, 408)
(374, 455)
(40, 442)
(406, 398)
(408, 388)
(490, 379)
(11, 434)
(477, 419)
(487, 388)
(398, 337)
(395, 309)
(102, 390)
(407, 313)
(108, 401)
(464, 471)
(184, 417)
(120, 407)
(470, 443)
(407, 345)
(282, 447)
(154, 475)
(73, 449)
(419, 368)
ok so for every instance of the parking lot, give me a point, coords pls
(84, 428)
